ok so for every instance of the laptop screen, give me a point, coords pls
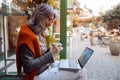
(86, 54)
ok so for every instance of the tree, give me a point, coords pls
(112, 17)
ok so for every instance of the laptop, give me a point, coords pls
(77, 64)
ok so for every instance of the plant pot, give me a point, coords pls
(93, 40)
(114, 48)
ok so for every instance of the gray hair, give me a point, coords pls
(42, 11)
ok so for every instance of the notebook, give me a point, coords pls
(77, 64)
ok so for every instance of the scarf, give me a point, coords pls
(27, 37)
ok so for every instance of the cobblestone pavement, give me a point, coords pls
(102, 65)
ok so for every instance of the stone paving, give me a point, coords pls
(102, 65)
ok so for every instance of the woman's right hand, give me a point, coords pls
(56, 48)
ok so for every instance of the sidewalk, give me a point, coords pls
(102, 65)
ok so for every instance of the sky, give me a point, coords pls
(96, 5)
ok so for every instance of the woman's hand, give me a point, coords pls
(56, 48)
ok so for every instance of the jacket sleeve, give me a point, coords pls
(28, 61)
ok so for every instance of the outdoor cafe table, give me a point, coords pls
(54, 73)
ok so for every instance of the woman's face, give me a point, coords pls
(46, 22)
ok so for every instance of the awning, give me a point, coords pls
(10, 10)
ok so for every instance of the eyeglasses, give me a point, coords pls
(51, 19)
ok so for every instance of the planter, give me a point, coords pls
(93, 40)
(114, 48)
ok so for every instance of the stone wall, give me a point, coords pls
(14, 23)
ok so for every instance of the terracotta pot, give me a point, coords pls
(93, 41)
(114, 48)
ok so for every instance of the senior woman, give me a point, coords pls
(32, 54)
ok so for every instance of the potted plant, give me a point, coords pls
(114, 48)
(114, 44)
(111, 18)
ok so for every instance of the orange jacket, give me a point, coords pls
(26, 36)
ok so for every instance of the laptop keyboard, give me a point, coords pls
(72, 64)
